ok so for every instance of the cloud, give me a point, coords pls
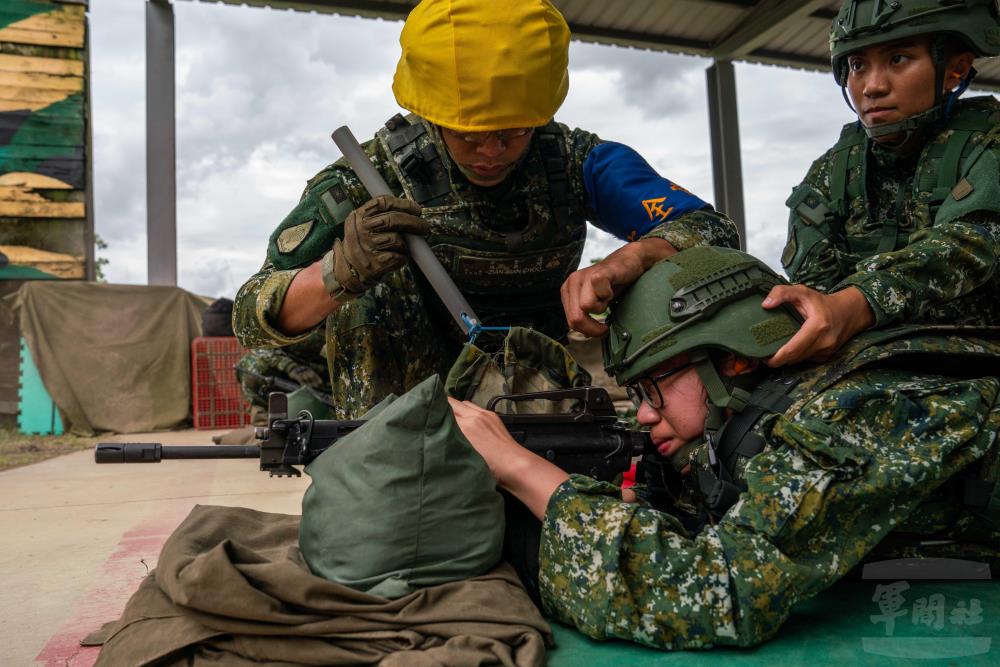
(660, 85)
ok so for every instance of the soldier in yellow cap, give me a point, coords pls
(501, 192)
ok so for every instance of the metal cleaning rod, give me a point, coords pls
(419, 250)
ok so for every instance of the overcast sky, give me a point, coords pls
(259, 91)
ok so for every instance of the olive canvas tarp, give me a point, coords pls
(231, 588)
(112, 357)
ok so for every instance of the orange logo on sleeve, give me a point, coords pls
(654, 207)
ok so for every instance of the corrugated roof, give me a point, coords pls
(789, 33)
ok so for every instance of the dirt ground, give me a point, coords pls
(18, 449)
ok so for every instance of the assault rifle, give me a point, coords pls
(589, 440)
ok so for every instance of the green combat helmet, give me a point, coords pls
(863, 23)
(703, 297)
(699, 301)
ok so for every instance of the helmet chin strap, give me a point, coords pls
(721, 396)
(907, 126)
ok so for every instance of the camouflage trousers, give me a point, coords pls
(386, 342)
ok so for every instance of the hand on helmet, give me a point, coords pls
(830, 321)
(589, 291)
(373, 243)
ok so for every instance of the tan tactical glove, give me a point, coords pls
(373, 245)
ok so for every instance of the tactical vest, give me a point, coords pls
(940, 169)
(718, 478)
(508, 255)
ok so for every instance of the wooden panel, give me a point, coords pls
(30, 209)
(10, 333)
(38, 137)
(26, 179)
(40, 80)
(63, 26)
(56, 66)
(31, 99)
(49, 140)
(61, 193)
(53, 263)
(43, 133)
(14, 193)
(65, 235)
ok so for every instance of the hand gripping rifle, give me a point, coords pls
(589, 441)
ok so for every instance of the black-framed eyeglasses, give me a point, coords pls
(479, 138)
(647, 387)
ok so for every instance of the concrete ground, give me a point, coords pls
(78, 537)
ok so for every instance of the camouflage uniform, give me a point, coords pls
(284, 363)
(866, 456)
(919, 235)
(508, 248)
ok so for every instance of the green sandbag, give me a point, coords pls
(402, 502)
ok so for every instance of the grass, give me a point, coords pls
(18, 449)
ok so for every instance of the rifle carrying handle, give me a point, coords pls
(419, 250)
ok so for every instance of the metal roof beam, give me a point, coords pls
(642, 40)
(392, 10)
(767, 19)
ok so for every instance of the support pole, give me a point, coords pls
(161, 158)
(723, 117)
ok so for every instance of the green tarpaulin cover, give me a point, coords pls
(112, 357)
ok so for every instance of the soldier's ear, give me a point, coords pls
(733, 365)
(957, 69)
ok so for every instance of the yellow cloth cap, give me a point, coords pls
(483, 65)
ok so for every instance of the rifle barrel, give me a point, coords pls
(154, 452)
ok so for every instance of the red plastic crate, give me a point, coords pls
(215, 393)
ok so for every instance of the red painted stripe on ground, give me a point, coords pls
(123, 571)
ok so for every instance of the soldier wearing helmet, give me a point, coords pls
(900, 221)
(760, 487)
(500, 190)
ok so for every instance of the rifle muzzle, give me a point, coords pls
(128, 452)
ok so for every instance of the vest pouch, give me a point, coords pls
(529, 362)
(507, 289)
(808, 226)
(510, 273)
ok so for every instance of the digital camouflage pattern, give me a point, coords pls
(941, 267)
(303, 363)
(849, 465)
(503, 246)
